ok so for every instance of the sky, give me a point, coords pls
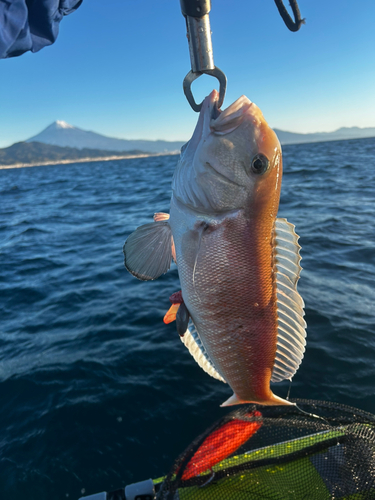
(117, 68)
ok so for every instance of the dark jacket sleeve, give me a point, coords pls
(31, 24)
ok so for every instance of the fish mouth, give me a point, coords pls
(226, 121)
(221, 122)
(209, 111)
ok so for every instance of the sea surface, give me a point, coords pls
(95, 391)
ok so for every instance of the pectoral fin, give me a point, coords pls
(148, 251)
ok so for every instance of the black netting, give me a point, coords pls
(279, 453)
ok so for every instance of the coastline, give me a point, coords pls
(85, 160)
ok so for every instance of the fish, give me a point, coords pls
(222, 442)
(238, 263)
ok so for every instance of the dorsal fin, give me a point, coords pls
(291, 334)
(195, 347)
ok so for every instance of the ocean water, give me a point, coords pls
(95, 391)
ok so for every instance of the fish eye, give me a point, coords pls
(259, 164)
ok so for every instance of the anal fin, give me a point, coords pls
(194, 345)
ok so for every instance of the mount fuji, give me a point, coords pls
(60, 133)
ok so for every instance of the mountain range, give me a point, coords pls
(341, 134)
(62, 134)
(66, 143)
(37, 153)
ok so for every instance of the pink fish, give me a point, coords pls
(238, 263)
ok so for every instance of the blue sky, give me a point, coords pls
(117, 69)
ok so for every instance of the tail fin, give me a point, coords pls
(272, 401)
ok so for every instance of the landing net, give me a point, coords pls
(279, 453)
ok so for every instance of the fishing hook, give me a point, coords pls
(196, 13)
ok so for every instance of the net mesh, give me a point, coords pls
(325, 451)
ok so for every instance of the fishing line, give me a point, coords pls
(209, 480)
(303, 411)
(312, 415)
(290, 386)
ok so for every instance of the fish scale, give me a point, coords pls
(226, 284)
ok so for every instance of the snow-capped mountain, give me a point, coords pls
(62, 124)
(62, 134)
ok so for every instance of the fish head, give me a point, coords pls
(233, 161)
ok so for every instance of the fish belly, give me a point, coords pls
(227, 279)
